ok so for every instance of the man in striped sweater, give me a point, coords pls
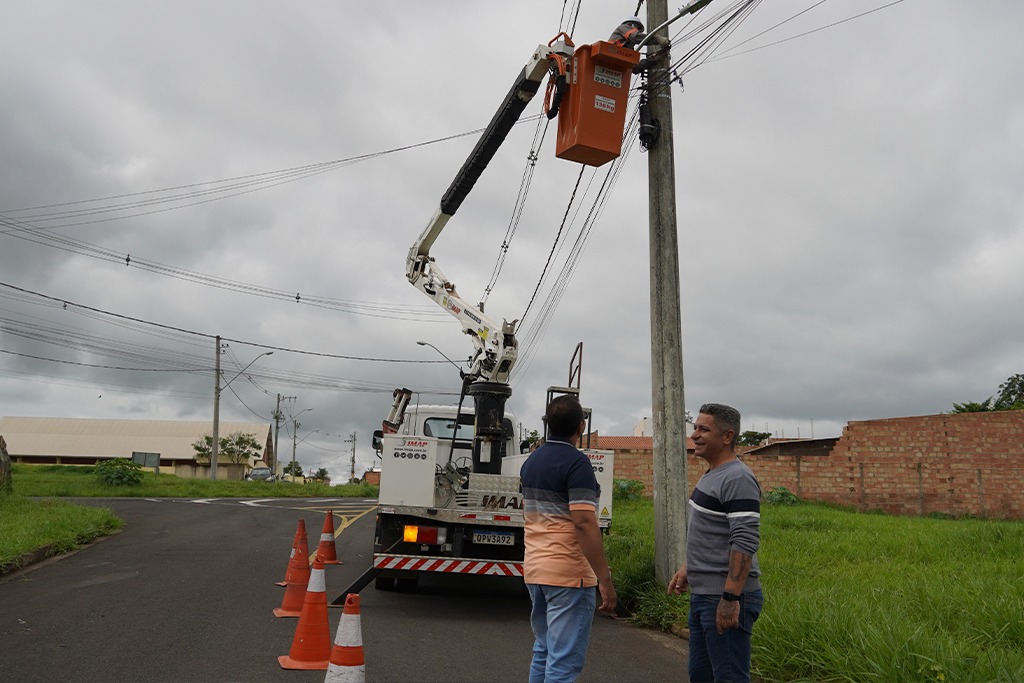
(722, 537)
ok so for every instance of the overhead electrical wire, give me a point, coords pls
(805, 33)
(66, 304)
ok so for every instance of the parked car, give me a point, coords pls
(260, 474)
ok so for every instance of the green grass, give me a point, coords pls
(861, 597)
(28, 525)
(75, 481)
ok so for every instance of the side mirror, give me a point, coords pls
(378, 444)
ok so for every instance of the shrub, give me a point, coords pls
(627, 489)
(780, 495)
(119, 472)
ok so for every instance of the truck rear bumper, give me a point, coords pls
(447, 565)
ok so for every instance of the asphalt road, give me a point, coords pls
(186, 593)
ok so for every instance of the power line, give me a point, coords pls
(66, 303)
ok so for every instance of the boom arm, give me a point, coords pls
(495, 346)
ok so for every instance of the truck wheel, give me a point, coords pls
(384, 583)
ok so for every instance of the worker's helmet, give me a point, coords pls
(636, 21)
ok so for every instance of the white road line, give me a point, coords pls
(256, 503)
(206, 501)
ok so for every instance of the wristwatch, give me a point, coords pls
(730, 597)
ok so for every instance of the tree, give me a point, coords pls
(1011, 394)
(752, 438)
(1010, 397)
(236, 447)
(321, 475)
(973, 406)
(239, 447)
(6, 487)
(293, 468)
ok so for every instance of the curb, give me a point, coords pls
(27, 559)
(34, 558)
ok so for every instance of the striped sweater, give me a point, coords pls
(725, 513)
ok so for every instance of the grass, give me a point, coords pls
(28, 525)
(861, 597)
(76, 481)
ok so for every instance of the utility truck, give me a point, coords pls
(436, 513)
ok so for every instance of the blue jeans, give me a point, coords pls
(721, 658)
(561, 620)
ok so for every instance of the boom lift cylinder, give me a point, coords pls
(489, 403)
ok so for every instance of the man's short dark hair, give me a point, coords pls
(726, 418)
(564, 416)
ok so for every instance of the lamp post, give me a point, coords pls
(423, 343)
(216, 405)
(295, 434)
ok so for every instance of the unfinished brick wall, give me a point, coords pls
(966, 464)
(971, 463)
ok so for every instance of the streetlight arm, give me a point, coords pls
(268, 353)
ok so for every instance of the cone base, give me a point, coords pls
(281, 583)
(287, 662)
(332, 561)
(278, 612)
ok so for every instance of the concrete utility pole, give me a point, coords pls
(277, 431)
(669, 408)
(352, 477)
(216, 413)
(214, 447)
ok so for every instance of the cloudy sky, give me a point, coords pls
(850, 217)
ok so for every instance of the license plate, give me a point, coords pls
(494, 538)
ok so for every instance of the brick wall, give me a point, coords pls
(971, 463)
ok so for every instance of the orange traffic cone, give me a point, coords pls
(300, 535)
(311, 647)
(347, 662)
(327, 550)
(298, 577)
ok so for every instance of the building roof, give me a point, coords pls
(76, 437)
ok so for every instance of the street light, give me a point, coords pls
(423, 343)
(295, 434)
(216, 406)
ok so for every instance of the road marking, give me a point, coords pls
(256, 503)
(205, 501)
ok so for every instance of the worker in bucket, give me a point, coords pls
(629, 33)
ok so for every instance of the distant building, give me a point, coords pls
(76, 441)
(372, 476)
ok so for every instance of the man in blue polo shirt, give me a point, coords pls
(565, 557)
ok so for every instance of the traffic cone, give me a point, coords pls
(311, 646)
(347, 662)
(298, 577)
(327, 550)
(300, 534)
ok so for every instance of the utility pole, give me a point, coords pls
(352, 476)
(295, 436)
(669, 407)
(216, 413)
(277, 430)
(277, 433)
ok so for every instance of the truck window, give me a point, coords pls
(444, 428)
